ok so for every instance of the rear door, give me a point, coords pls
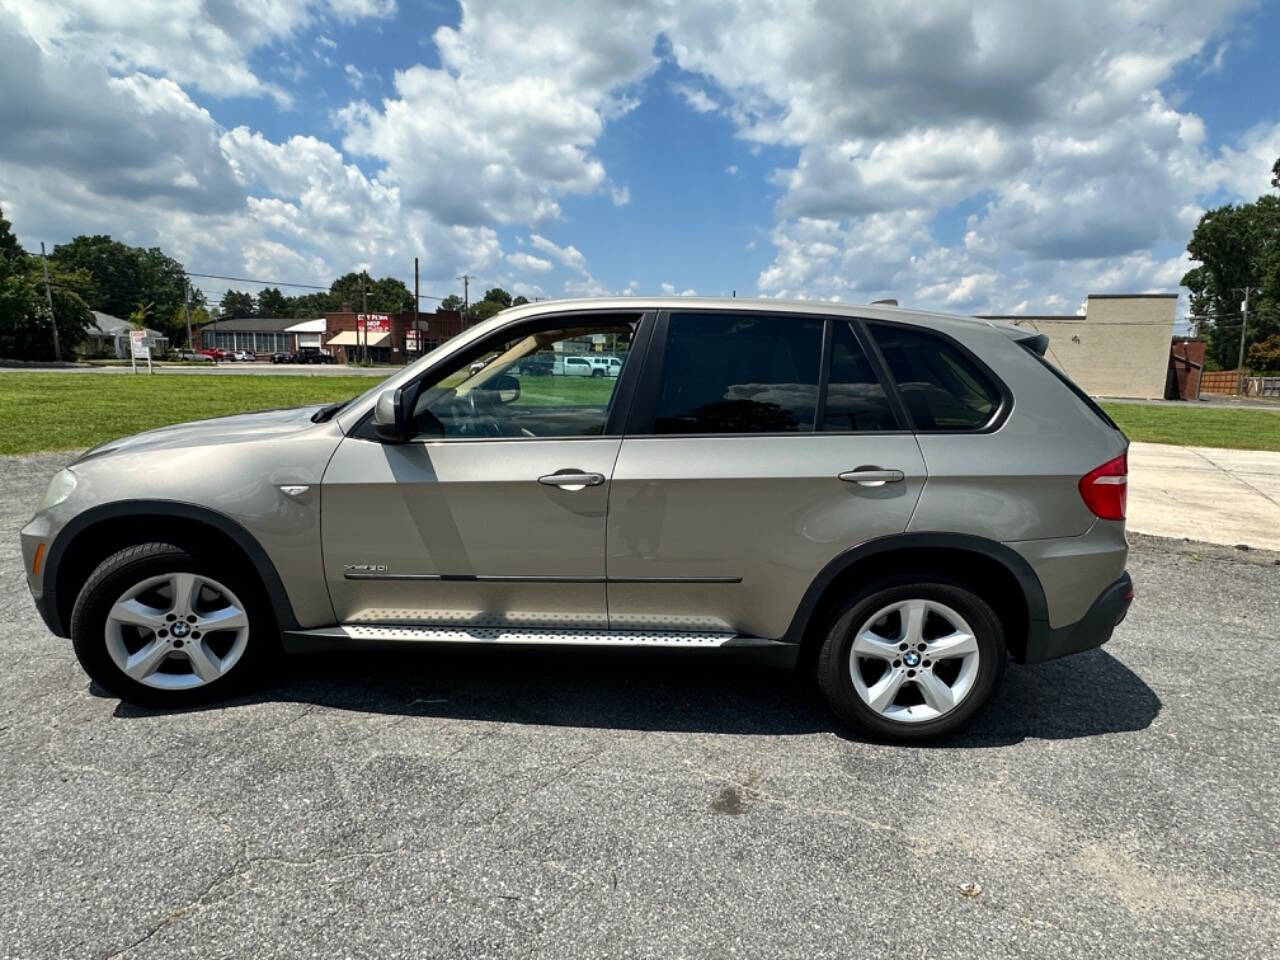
(760, 447)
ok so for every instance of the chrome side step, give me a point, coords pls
(357, 634)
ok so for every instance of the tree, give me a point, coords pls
(451, 303)
(272, 303)
(236, 304)
(484, 309)
(1238, 248)
(392, 296)
(10, 249)
(387, 295)
(519, 301)
(1264, 357)
(498, 295)
(308, 306)
(124, 277)
(25, 330)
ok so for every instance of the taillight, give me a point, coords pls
(1104, 489)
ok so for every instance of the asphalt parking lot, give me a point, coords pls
(1122, 803)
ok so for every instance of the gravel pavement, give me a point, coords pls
(1121, 803)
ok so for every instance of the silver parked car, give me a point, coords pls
(901, 501)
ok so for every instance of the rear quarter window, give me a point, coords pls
(941, 386)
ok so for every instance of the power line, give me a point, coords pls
(282, 283)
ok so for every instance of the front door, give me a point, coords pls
(494, 515)
(748, 467)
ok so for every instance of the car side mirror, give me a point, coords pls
(506, 388)
(390, 421)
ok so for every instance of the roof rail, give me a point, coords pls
(891, 302)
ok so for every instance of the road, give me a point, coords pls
(1122, 803)
(261, 368)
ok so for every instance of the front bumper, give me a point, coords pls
(1092, 630)
(40, 531)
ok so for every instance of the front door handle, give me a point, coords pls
(872, 476)
(572, 480)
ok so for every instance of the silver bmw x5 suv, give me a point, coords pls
(900, 501)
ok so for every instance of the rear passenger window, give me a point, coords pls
(726, 373)
(855, 397)
(942, 388)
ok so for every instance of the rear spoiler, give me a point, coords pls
(1038, 343)
(1032, 339)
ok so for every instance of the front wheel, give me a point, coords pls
(911, 661)
(161, 626)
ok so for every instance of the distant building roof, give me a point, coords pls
(308, 326)
(255, 324)
(105, 325)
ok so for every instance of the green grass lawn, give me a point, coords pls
(1198, 425)
(69, 411)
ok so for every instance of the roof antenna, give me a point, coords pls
(884, 303)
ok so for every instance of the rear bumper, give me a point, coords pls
(1092, 630)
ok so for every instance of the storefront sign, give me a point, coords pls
(373, 322)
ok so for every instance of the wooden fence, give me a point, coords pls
(1219, 381)
(1228, 382)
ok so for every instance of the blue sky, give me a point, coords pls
(972, 157)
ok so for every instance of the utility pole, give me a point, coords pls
(186, 309)
(48, 295)
(1244, 326)
(466, 298)
(417, 331)
(364, 305)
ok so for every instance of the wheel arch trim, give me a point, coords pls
(1017, 566)
(50, 599)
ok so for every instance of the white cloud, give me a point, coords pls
(206, 46)
(569, 255)
(528, 262)
(974, 156)
(697, 98)
(506, 125)
(355, 76)
(669, 290)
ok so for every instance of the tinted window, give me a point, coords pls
(942, 388)
(725, 373)
(856, 399)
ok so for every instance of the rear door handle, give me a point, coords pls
(872, 476)
(572, 480)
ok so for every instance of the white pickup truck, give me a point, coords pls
(587, 365)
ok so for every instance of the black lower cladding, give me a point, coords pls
(1092, 630)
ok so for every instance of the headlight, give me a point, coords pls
(61, 486)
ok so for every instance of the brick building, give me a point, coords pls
(387, 337)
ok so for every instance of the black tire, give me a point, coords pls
(597, 373)
(132, 565)
(834, 670)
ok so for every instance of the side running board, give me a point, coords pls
(349, 635)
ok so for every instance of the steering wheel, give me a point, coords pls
(481, 423)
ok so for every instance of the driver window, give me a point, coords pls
(553, 383)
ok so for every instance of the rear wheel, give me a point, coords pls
(160, 625)
(911, 661)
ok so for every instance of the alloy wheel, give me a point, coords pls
(177, 631)
(914, 660)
